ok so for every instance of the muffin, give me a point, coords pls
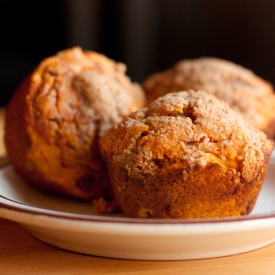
(244, 91)
(186, 155)
(56, 117)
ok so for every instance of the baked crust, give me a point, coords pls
(187, 155)
(244, 91)
(56, 117)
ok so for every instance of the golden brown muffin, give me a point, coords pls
(55, 118)
(244, 91)
(187, 155)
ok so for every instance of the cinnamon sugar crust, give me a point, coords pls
(56, 117)
(187, 155)
(244, 91)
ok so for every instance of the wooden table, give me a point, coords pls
(21, 253)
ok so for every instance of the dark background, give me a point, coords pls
(147, 35)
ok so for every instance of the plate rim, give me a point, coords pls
(57, 228)
(9, 204)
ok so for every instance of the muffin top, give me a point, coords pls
(244, 91)
(77, 95)
(189, 129)
(74, 78)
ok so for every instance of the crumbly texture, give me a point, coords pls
(187, 155)
(103, 206)
(244, 91)
(56, 117)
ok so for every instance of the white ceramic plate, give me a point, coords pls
(74, 226)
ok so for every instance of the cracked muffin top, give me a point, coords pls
(244, 91)
(56, 117)
(188, 128)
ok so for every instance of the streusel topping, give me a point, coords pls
(187, 128)
(244, 91)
